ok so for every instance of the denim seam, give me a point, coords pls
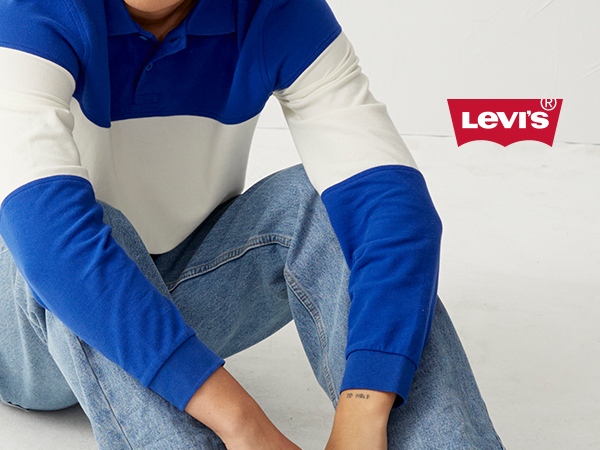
(255, 242)
(33, 319)
(316, 316)
(103, 393)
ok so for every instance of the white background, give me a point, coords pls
(419, 54)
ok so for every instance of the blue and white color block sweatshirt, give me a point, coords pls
(92, 107)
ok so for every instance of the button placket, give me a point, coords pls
(145, 90)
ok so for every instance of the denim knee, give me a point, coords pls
(296, 177)
(298, 188)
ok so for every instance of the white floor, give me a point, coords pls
(520, 276)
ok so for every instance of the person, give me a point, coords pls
(131, 264)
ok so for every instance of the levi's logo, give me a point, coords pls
(505, 121)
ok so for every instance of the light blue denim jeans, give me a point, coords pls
(258, 261)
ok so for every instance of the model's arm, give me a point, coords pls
(361, 420)
(389, 231)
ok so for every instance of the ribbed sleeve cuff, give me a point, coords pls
(184, 371)
(378, 371)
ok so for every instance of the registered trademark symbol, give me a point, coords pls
(548, 103)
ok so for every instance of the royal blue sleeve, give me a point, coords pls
(54, 229)
(390, 234)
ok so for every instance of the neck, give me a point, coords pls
(162, 21)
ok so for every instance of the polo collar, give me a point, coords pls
(207, 18)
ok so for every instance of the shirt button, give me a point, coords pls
(144, 38)
(149, 67)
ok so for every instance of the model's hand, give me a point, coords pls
(224, 406)
(360, 420)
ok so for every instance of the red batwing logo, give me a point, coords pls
(505, 121)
